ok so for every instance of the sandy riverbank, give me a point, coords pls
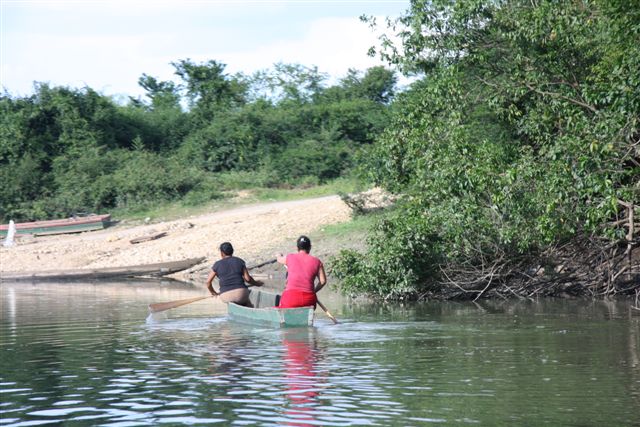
(256, 231)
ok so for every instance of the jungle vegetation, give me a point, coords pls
(67, 150)
(515, 156)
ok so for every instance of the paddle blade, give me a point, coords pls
(162, 306)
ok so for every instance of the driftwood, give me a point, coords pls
(368, 201)
(146, 270)
(147, 238)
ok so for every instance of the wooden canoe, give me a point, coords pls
(60, 226)
(266, 313)
(145, 270)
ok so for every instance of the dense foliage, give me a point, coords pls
(65, 150)
(522, 134)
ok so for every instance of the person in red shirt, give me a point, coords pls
(303, 269)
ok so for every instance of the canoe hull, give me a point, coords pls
(60, 226)
(266, 313)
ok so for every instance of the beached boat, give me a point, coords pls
(145, 270)
(265, 312)
(60, 226)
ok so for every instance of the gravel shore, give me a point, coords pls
(256, 232)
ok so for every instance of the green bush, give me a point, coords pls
(404, 251)
(206, 189)
(312, 158)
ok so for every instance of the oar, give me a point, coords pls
(162, 306)
(262, 264)
(329, 315)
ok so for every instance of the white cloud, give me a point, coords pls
(108, 64)
(110, 55)
(332, 44)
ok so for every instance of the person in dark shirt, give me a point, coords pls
(232, 274)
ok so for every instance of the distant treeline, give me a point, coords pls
(516, 157)
(65, 150)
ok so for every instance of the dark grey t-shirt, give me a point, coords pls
(229, 272)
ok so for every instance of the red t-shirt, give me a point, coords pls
(302, 271)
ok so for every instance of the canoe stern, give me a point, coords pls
(267, 312)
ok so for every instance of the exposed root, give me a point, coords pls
(586, 266)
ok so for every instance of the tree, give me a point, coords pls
(209, 89)
(290, 83)
(377, 85)
(161, 94)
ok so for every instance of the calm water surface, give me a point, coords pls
(84, 354)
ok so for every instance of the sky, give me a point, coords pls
(108, 44)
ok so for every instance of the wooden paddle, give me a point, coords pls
(162, 306)
(262, 264)
(329, 315)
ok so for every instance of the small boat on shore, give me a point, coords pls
(60, 226)
(265, 312)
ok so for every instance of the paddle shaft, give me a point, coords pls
(329, 315)
(162, 306)
(262, 264)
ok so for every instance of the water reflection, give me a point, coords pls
(300, 358)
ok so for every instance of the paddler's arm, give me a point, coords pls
(282, 259)
(322, 279)
(250, 280)
(212, 275)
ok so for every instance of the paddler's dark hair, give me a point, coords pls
(304, 243)
(226, 248)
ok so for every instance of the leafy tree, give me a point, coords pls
(289, 83)
(209, 89)
(161, 125)
(161, 94)
(320, 158)
(377, 84)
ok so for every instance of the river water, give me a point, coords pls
(86, 354)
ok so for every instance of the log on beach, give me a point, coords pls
(145, 270)
(147, 238)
